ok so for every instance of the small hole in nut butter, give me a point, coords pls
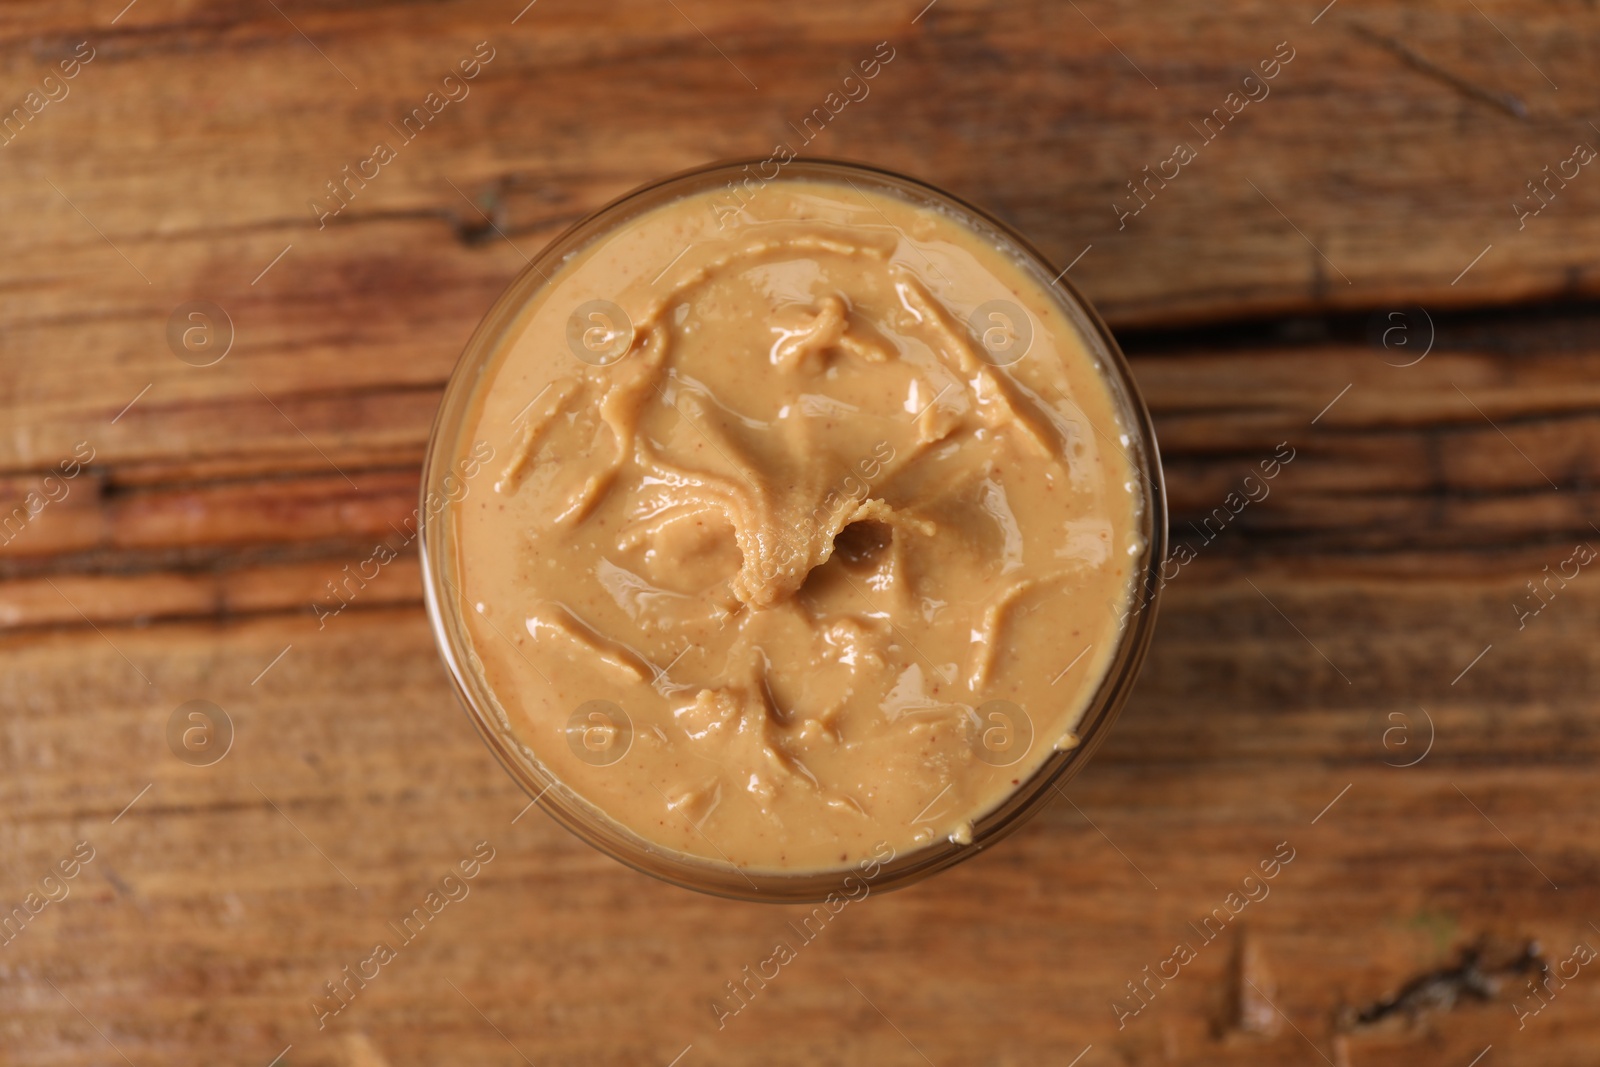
(814, 497)
(861, 544)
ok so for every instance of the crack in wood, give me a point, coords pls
(1440, 991)
(1507, 102)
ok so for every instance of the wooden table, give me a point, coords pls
(1350, 669)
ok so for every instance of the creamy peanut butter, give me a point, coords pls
(810, 526)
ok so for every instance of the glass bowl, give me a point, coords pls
(442, 487)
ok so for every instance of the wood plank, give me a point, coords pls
(1373, 145)
(1238, 738)
(1487, 446)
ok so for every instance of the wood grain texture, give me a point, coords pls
(1320, 637)
(182, 162)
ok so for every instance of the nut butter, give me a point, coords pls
(817, 521)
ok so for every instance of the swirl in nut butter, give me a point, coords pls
(810, 527)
